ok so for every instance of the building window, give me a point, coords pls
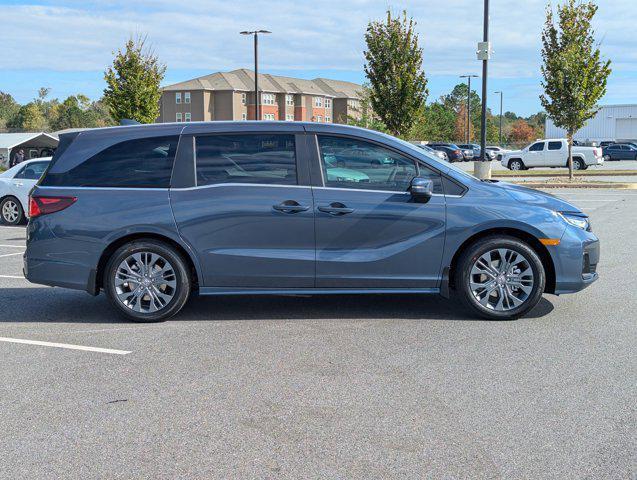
(268, 116)
(179, 117)
(318, 101)
(289, 100)
(268, 99)
(244, 116)
(187, 117)
(244, 99)
(319, 118)
(187, 97)
(354, 104)
(328, 103)
(178, 97)
(289, 117)
(328, 119)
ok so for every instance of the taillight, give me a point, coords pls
(45, 205)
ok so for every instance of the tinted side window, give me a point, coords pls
(32, 171)
(140, 163)
(555, 145)
(248, 158)
(352, 163)
(537, 147)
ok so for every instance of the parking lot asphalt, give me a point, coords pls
(325, 387)
(607, 166)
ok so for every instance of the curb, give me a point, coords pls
(616, 186)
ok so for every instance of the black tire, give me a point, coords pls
(516, 164)
(182, 281)
(11, 211)
(462, 276)
(578, 164)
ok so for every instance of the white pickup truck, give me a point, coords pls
(552, 153)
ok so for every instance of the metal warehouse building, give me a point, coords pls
(612, 122)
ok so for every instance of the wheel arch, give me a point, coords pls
(530, 239)
(98, 276)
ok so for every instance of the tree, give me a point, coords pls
(574, 75)
(367, 118)
(460, 132)
(29, 118)
(398, 86)
(434, 122)
(8, 109)
(133, 82)
(521, 131)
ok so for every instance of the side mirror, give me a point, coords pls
(421, 189)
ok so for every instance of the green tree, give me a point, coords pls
(133, 82)
(8, 109)
(435, 122)
(367, 118)
(29, 118)
(574, 74)
(398, 86)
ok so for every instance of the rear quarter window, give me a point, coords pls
(139, 163)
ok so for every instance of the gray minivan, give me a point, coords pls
(150, 214)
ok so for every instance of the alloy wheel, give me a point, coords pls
(145, 282)
(10, 211)
(501, 279)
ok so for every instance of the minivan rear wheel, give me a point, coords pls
(147, 280)
(500, 278)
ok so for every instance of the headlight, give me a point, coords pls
(576, 220)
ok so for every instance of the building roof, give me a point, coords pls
(243, 80)
(10, 140)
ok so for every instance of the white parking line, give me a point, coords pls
(12, 276)
(64, 345)
(12, 246)
(11, 254)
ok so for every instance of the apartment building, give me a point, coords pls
(230, 96)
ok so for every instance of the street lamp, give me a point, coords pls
(500, 136)
(255, 33)
(468, 77)
(482, 169)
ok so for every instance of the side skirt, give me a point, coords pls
(311, 291)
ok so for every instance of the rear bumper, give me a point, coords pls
(59, 274)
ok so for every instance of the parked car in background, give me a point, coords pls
(15, 185)
(606, 143)
(454, 153)
(467, 152)
(497, 151)
(438, 153)
(552, 153)
(476, 151)
(150, 214)
(620, 151)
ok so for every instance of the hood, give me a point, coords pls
(536, 197)
(507, 153)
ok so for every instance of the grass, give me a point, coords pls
(555, 172)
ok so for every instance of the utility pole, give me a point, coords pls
(468, 134)
(482, 169)
(257, 103)
(500, 135)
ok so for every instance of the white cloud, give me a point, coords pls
(307, 35)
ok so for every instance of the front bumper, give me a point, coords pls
(578, 257)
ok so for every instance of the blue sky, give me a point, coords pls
(65, 45)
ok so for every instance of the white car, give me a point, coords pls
(15, 185)
(552, 153)
(497, 151)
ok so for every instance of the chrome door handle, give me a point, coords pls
(290, 206)
(335, 209)
(18, 184)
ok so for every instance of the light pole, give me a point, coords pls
(482, 169)
(468, 134)
(255, 33)
(500, 135)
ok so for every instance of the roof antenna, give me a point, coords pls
(128, 121)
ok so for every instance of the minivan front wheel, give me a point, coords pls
(500, 278)
(147, 280)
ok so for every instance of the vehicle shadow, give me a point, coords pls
(55, 305)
